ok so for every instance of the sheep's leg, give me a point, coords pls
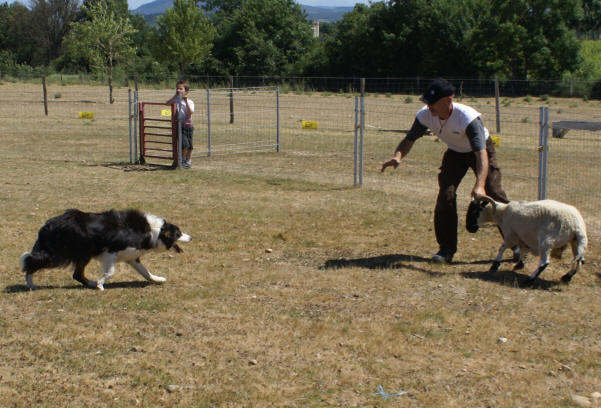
(521, 252)
(578, 259)
(517, 254)
(575, 266)
(497, 262)
(544, 262)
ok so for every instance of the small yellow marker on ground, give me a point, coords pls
(309, 124)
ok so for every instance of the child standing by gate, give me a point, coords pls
(185, 109)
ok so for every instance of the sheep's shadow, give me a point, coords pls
(511, 278)
(110, 285)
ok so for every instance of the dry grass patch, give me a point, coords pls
(294, 292)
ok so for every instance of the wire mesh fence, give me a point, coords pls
(322, 154)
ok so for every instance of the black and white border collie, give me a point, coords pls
(76, 237)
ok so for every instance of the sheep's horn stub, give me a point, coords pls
(486, 199)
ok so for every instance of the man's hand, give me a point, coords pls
(478, 192)
(394, 162)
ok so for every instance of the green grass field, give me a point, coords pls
(298, 290)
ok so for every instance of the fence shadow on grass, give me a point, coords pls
(126, 167)
(107, 286)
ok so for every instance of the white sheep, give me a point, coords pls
(535, 226)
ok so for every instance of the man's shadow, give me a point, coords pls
(393, 261)
(398, 261)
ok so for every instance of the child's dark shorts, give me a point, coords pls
(187, 133)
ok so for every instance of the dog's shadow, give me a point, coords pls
(398, 261)
(107, 286)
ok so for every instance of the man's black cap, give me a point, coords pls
(439, 88)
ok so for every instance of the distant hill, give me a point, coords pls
(154, 7)
(329, 14)
(152, 10)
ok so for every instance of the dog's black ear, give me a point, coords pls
(169, 234)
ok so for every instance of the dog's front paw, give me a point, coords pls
(158, 279)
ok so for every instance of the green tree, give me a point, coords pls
(104, 40)
(521, 39)
(403, 38)
(51, 22)
(264, 37)
(222, 7)
(185, 35)
(119, 8)
(17, 40)
(591, 22)
(145, 64)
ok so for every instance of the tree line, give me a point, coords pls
(510, 39)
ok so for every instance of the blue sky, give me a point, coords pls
(329, 3)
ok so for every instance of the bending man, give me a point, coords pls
(469, 146)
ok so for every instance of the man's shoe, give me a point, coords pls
(442, 257)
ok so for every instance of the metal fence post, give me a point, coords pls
(361, 131)
(543, 149)
(355, 151)
(179, 139)
(277, 119)
(208, 122)
(497, 107)
(136, 118)
(130, 120)
(231, 100)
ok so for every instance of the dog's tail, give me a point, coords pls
(24, 261)
(38, 260)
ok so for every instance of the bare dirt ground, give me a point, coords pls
(298, 289)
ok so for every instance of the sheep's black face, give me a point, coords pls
(473, 213)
